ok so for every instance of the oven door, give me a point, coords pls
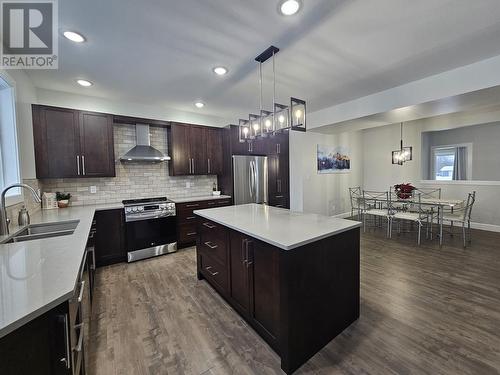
(143, 234)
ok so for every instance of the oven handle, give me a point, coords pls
(142, 218)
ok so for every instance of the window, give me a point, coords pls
(444, 159)
(451, 162)
(9, 157)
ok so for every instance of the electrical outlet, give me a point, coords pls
(93, 189)
(188, 184)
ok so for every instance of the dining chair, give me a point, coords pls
(462, 216)
(428, 193)
(355, 195)
(417, 215)
(376, 204)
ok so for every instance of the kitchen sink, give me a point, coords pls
(47, 230)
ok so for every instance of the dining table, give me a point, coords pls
(440, 204)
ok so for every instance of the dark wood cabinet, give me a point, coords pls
(57, 142)
(109, 237)
(198, 150)
(71, 143)
(195, 150)
(96, 145)
(240, 292)
(214, 151)
(180, 150)
(297, 300)
(186, 220)
(38, 347)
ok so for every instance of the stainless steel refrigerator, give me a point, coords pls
(250, 175)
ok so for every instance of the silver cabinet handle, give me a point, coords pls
(192, 205)
(83, 165)
(78, 347)
(249, 262)
(66, 360)
(192, 160)
(243, 248)
(191, 234)
(208, 165)
(190, 166)
(78, 164)
(190, 217)
(82, 288)
(210, 245)
(210, 272)
(208, 225)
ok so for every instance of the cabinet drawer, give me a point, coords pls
(213, 271)
(187, 233)
(186, 217)
(214, 244)
(190, 206)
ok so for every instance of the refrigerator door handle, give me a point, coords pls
(250, 184)
(253, 170)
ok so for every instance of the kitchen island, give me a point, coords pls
(293, 277)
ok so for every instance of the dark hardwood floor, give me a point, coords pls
(424, 310)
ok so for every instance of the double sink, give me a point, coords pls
(46, 230)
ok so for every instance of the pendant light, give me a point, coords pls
(281, 118)
(404, 154)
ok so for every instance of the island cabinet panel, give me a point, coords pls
(297, 300)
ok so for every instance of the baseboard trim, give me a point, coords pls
(481, 226)
(487, 227)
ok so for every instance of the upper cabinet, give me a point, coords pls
(71, 143)
(195, 150)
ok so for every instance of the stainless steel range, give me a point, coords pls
(150, 227)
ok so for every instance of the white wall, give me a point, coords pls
(380, 174)
(325, 194)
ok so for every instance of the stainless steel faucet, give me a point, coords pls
(4, 223)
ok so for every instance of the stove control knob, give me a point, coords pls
(141, 209)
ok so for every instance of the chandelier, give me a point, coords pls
(404, 154)
(281, 118)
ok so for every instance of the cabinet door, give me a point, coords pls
(239, 291)
(214, 151)
(96, 142)
(263, 263)
(237, 147)
(109, 237)
(180, 150)
(198, 145)
(57, 146)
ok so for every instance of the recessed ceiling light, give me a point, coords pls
(84, 82)
(220, 70)
(74, 37)
(289, 7)
(199, 104)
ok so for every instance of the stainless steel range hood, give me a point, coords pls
(143, 151)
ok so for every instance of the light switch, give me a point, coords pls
(93, 189)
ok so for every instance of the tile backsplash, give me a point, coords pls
(133, 180)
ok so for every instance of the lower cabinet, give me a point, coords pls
(109, 237)
(186, 220)
(55, 343)
(245, 271)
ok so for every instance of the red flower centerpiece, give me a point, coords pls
(404, 191)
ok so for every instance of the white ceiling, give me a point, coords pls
(160, 52)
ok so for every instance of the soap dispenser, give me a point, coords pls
(24, 218)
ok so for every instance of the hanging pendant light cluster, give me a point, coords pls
(282, 117)
(404, 154)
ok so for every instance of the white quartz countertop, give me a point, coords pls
(199, 198)
(277, 226)
(37, 275)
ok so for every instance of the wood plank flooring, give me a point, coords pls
(424, 310)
